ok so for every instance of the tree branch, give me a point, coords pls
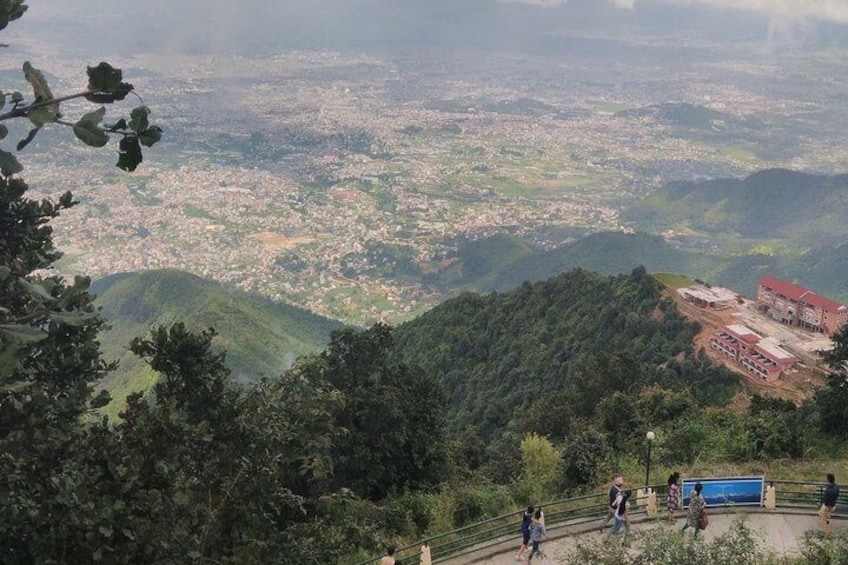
(22, 111)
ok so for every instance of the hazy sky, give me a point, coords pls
(827, 10)
(250, 26)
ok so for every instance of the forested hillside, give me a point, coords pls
(580, 333)
(775, 203)
(607, 253)
(262, 337)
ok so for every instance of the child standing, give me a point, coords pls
(537, 534)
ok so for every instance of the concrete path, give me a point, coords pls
(779, 532)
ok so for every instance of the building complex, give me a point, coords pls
(758, 355)
(800, 307)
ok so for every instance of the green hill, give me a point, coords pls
(261, 337)
(770, 204)
(679, 114)
(607, 253)
(499, 354)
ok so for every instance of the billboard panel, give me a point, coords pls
(727, 491)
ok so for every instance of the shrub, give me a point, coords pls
(818, 549)
(663, 546)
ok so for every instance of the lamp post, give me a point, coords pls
(650, 437)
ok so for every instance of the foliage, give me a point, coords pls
(393, 415)
(586, 456)
(831, 401)
(105, 86)
(819, 549)
(262, 337)
(541, 467)
(776, 428)
(566, 342)
(661, 546)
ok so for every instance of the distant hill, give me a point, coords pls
(677, 113)
(261, 337)
(775, 203)
(607, 253)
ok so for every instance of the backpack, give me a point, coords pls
(614, 493)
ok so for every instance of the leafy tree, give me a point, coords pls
(616, 415)
(831, 401)
(550, 415)
(393, 415)
(33, 308)
(235, 471)
(837, 357)
(541, 467)
(656, 404)
(773, 429)
(586, 455)
(598, 377)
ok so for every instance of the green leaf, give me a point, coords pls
(17, 97)
(75, 319)
(120, 124)
(35, 289)
(9, 165)
(105, 81)
(102, 399)
(11, 10)
(25, 141)
(95, 116)
(88, 130)
(39, 84)
(138, 119)
(150, 136)
(4, 131)
(41, 115)
(129, 153)
(22, 334)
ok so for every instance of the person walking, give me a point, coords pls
(621, 516)
(612, 496)
(829, 498)
(672, 504)
(526, 520)
(537, 535)
(697, 506)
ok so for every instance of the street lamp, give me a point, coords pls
(650, 437)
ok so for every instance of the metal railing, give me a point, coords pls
(579, 511)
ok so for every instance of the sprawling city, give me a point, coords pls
(307, 176)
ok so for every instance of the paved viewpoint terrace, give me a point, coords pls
(780, 530)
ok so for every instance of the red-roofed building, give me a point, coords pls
(800, 307)
(762, 357)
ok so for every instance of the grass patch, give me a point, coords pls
(673, 280)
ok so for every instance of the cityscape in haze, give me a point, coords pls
(334, 154)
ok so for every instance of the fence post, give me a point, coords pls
(771, 497)
(652, 502)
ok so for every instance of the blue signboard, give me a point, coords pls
(727, 491)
